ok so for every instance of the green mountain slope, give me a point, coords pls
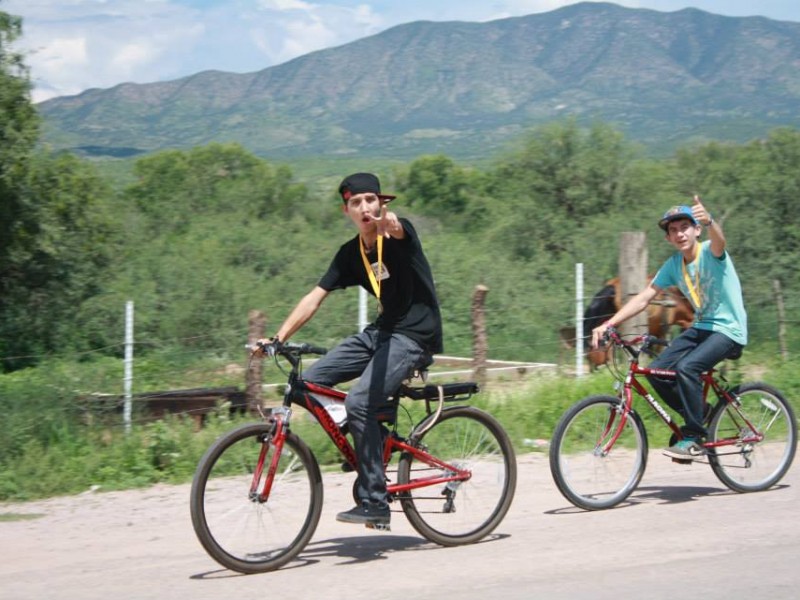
(466, 89)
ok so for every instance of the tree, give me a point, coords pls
(561, 178)
(58, 257)
(19, 129)
(214, 179)
(55, 237)
(19, 123)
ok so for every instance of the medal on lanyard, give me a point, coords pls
(694, 288)
(373, 280)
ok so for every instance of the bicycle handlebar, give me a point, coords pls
(640, 343)
(286, 348)
(303, 349)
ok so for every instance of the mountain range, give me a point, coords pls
(466, 89)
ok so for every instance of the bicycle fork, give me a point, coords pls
(617, 417)
(274, 439)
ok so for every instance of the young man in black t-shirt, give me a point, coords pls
(386, 259)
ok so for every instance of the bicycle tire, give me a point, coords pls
(243, 534)
(586, 477)
(458, 513)
(753, 467)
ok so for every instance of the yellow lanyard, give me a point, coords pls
(694, 289)
(375, 281)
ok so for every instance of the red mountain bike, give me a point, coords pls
(598, 452)
(257, 493)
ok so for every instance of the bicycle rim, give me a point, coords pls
(239, 531)
(753, 466)
(589, 471)
(463, 512)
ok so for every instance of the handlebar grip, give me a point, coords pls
(305, 348)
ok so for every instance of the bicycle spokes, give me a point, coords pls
(753, 440)
(598, 453)
(254, 508)
(462, 493)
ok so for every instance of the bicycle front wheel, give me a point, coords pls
(591, 468)
(460, 512)
(237, 528)
(749, 466)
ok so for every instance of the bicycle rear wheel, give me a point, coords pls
(587, 472)
(753, 466)
(238, 530)
(456, 513)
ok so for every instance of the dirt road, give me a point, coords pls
(683, 533)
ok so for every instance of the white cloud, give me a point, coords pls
(282, 5)
(130, 56)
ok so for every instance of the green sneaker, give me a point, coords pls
(687, 448)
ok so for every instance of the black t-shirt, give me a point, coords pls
(408, 295)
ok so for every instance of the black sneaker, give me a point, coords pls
(366, 514)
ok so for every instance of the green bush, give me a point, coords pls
(49, 447)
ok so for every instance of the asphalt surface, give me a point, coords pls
(681, 534)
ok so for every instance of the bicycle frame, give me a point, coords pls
(306, 394)
(631, 384)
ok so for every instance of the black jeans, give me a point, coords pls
(691, 353)
(382, 360)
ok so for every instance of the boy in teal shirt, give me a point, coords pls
(705, 274)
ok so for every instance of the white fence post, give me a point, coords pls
(579, 319)
(128, 378)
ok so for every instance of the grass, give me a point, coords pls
(11, 517)
(49, 448)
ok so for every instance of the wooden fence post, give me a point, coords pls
(480, 346)
(781, 319)
(633, 276)
(256, 326)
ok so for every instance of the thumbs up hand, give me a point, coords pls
(699, 212)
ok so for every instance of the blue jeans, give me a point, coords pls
(689, 355)
(381, 360)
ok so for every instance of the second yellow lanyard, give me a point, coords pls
(694, 288)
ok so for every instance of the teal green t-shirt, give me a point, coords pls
(721, 307)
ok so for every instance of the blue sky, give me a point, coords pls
(74, 45)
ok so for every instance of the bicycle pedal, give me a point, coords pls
(683, 461)
(378, 526)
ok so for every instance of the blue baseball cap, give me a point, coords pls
(675, 213)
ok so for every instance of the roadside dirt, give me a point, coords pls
(681, 529)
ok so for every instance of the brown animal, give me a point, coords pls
(668, 308)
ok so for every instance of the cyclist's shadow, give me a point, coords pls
(676, 494)
(683, 493)
(357, 549)
(364, 548)
(360, 549)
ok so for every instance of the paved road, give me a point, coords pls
(682, 535)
